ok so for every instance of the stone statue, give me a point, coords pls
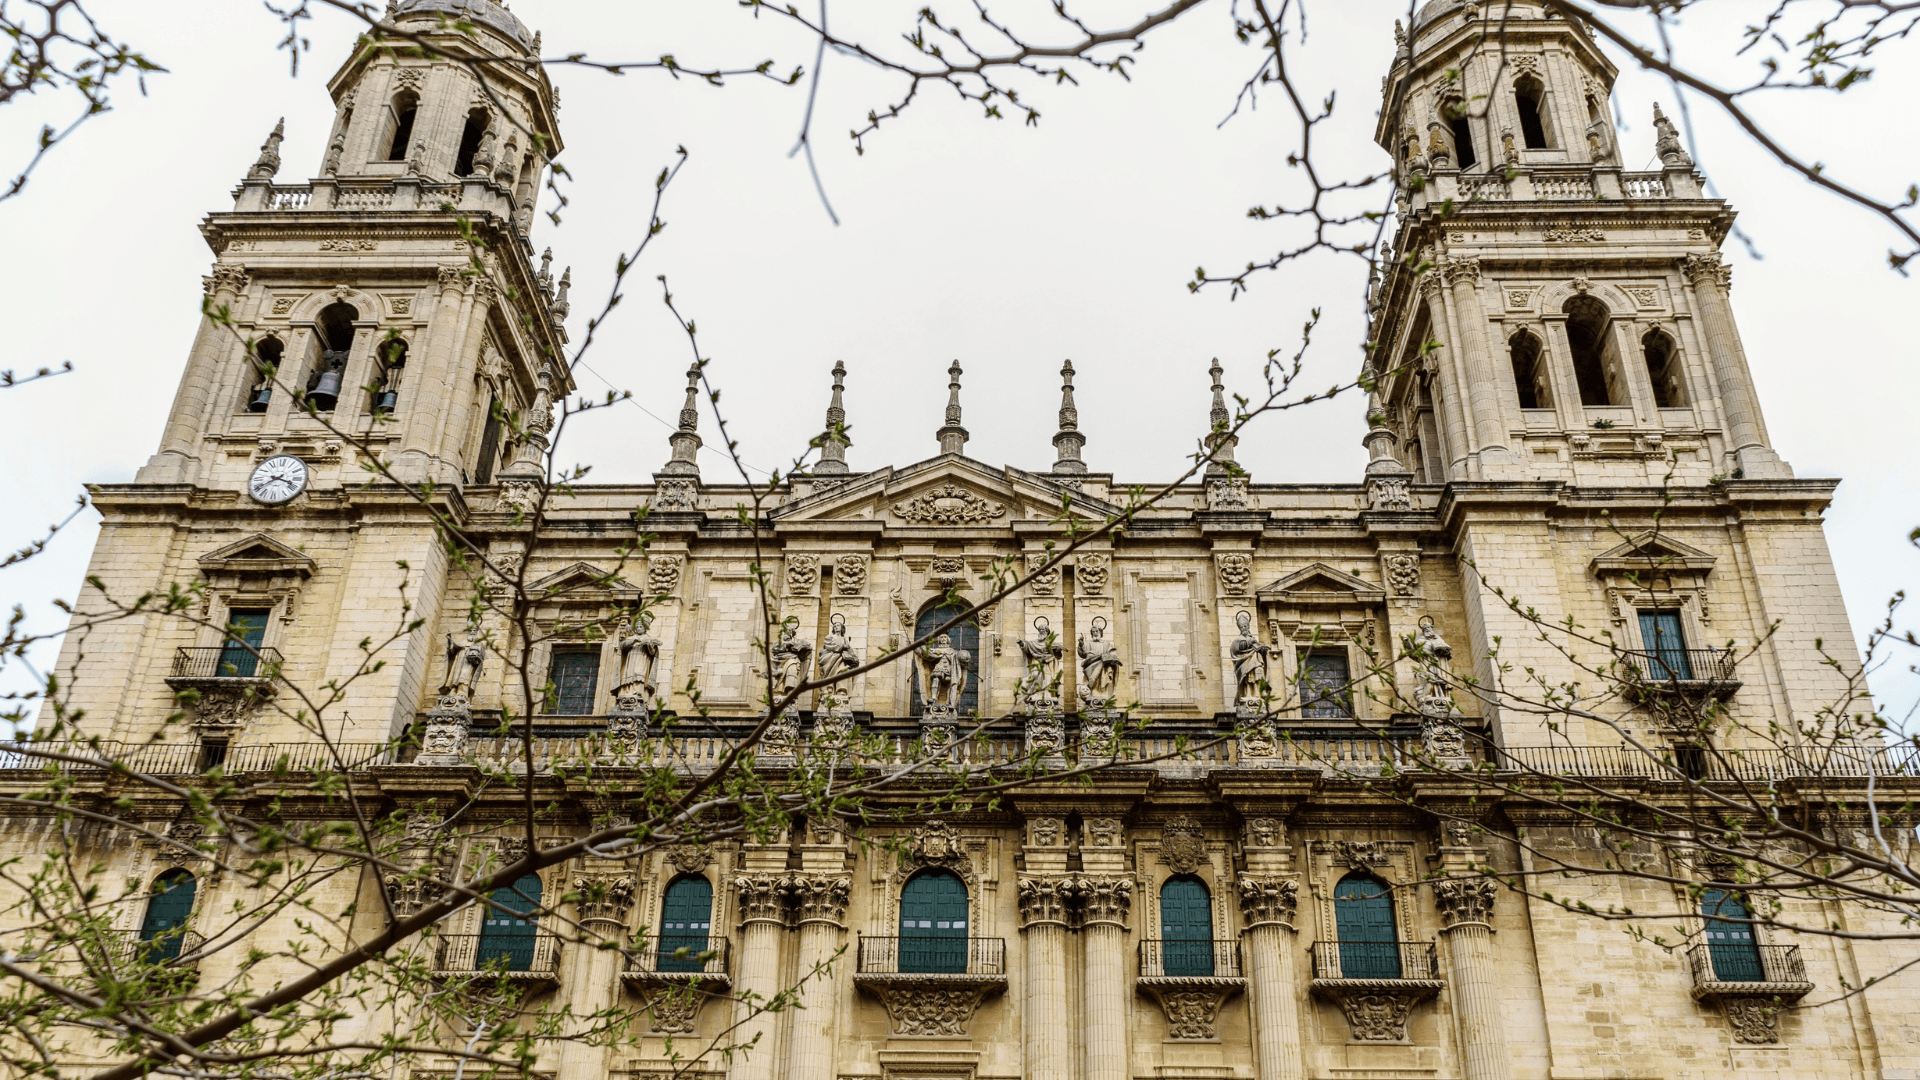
(639, 654)
(1039, 690)
(1666, 141)
(334, 153)
(943, 671)
(483, 155)
(1432, 643)
(1249, 663)
(789, 660)
(1099, 665)
(837, 653)
(464, 663)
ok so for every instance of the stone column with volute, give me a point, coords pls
(1269, 903)
(593, 973)
(1466, 915)
(1045, 892)
(1746, 434)
(762, 902)
(819, 895)
(1105, 894)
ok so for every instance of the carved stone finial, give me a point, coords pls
(686, 439)
(833, 444)
(1068, 442)
(561, 305)
(953, 437)
(1666, 142)
(269, 161)
(1219, 443)
(544, 279)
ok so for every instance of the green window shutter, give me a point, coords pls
(933, 924)
(1730, 944)
(1660, 633)
(506, 936)
(1186, 928)
(167, 912)
(686, 923)
(246, 633)
(1363, 919)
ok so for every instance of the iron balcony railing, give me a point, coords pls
(125, 948)
(535, 954)
(192, 759)
(1408, 960)
(682, 956)
(1190, 959)
(931, 956)
(1679, 665)
(1743, 962)
(225, 662)
(1701, 763)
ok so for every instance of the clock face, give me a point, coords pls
(278, 479)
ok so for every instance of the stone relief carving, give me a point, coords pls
(849, 574)
(1360, 854)
(1103, 832)
(1403, 574)
(935, 844)
(604, 898)
(949, 504)
(930, 1007)
(1045, 831)
(675, 495)
(803, 573)
(1465, 900)
(1753, 1019)
(688, 858)
(946, 572)
(1227, 493)
(1090, 573)
(1268, 900)
(1236, 573)
(1265, 832)
(1573, 235)
(1192, 1013)
(1183, 845)
(663, 574)
(1378, 1015)
(673, 1010)
(1389, 494)
(519, 496)
(1044, 899)
(1044, 583)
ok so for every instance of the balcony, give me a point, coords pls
(699, 962)
(532, 959)
(1376, 984)
(931, 985)
(1702, 764)
(191, 759)
(1190, 980)
(220, 665)
(1703, 673)
(1773, 971)
(124, 949)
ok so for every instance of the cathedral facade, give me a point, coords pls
(1563, 396)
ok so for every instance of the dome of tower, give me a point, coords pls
(487, 13)
(1434, 9)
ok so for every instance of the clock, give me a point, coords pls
(278, 479)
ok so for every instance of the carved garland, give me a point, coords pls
(949, 504)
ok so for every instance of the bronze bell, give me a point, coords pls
(258, 403)
(326, 392)
(385, 401)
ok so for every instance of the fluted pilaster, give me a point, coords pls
(1105, 903)
(762, 905)
(1043, 924)
(820, 906)
(1466, 911)
(1267, 909)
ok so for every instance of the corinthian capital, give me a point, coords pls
(1043, 900)
(1104, 899)
(1268, 900)
(604, 899)
(1701, 269)
(225, 278)
(1456, 270)
(1464, 901)
(762, 898)
(820, 897)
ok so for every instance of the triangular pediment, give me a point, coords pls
(579, 576)
(950, 491)
(258, 554)
(1652, 552)
(1319, 583)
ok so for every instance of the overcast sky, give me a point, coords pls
(1007, 247)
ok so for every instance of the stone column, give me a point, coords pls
(1466, 907)
(434, 380)
(822, 905)
(763, 924)
(178, 458)
(1441, 364)
(1105, 904)
(1483, 385)
(606, 901)
(1267, 908)
(1043, 923)
(1746, 434)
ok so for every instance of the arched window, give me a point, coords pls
(1186, 927)
(1664, 368)
(167, 911)
(336, 343)
(404, 108)
(1363, 921)
(1462, 131)
(686, 922)
(1730, 944)
(1529, 97)
(393, 365)
(489, 453)
(507, 930)
(470, 142)
(1590, 337)
(964, 637)
(265, 361)
(1529, 374)
(933, 923)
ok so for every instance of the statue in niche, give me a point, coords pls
(1250, 660)
(837, 653)
(789, 660)
(639, 654)
(943, 671)
(1039, 689)
(1099, 666)
(464, 663)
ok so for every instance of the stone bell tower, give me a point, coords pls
(391, 308)
(1580, 310)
